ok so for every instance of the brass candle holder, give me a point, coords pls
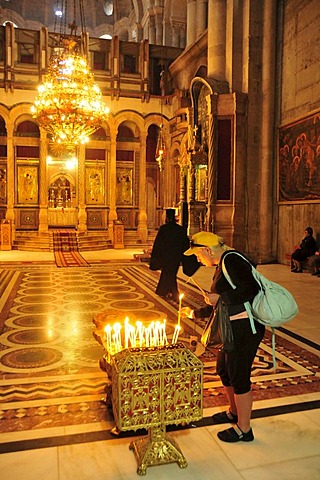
(150, 387)
(153, 388)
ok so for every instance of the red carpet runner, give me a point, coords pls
(65, 248)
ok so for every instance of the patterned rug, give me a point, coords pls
(65, 246)
(70, 259)
(50, 373)
(64, 240)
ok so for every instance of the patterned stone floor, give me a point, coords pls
(50, 373)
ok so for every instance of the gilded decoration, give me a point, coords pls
(151, 388)
(61, 192)
(150, 383)
(27, 184)
(95, 185)
(202, 117)
(124, 186)
(184, 159)
(3, 184)
(201, 183)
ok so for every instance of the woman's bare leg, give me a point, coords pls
(243, 404)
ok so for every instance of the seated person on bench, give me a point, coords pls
(306, 249)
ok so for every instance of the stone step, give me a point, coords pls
(95, 240)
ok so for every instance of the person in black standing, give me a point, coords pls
(167, 253)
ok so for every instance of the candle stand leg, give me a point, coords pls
(156, 449)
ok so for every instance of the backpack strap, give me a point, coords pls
(247, 305)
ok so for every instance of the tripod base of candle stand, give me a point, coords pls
(157, 448)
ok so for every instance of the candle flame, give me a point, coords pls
(138, 335)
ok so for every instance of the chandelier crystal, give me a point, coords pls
(69, 103)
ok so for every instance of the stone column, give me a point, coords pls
(10, 178)
(182, 39)
(152, 30)
(82, 214)
(159, 29)
(201, 17)
(43, 187)
(267, 132)
(139, 29)
(191, 21)
(142, 218)
(217, 39)
(112, 181)
(175, 27)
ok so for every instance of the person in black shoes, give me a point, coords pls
(234, 368)
(315, 264)
(307, 248)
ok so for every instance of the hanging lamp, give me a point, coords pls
(69, 104)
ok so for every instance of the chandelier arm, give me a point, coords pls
(65, 17)
(82, 20)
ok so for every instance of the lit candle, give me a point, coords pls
(139, 333)
(126, 332)
(164, 336)
(117, 336)
(151, 327)
(176, 334)
(147, 334)
(156, 334)
(107, 330)
(180, 303)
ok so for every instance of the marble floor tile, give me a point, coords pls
(277, 439)
(30, 465)
(305, 468)
(114, 460)
(286, 446)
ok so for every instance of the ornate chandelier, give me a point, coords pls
(69, 103)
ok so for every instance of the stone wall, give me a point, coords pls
(299, 96)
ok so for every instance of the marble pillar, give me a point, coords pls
(112, 181)
(142, 217)
(10, 178)
(43, 183)
(82, 214)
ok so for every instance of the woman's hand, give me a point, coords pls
(211, 298)
(186, 312)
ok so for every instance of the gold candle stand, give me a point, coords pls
(151, 388)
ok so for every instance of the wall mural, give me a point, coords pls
(27, 184)
(299, 160)
(95, 185)
(124, 186)
(3, 184)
